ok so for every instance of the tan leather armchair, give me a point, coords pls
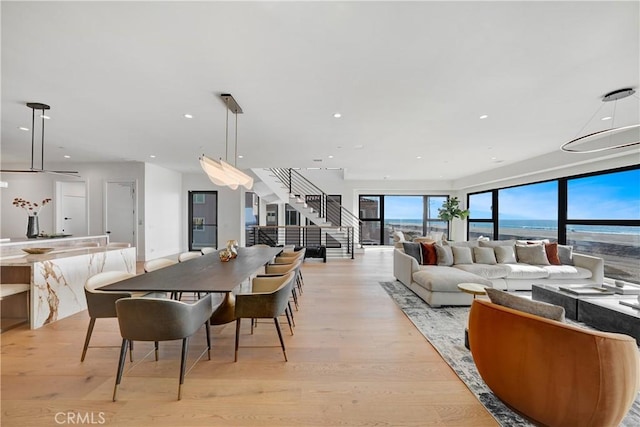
(554, 373)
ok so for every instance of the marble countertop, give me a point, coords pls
(29, 259)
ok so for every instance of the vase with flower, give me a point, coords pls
(32, 209)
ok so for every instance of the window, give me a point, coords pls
(529, 211)
(603, 219)
(413, 215)
(251, 216)
(203, 219)
(597, 213)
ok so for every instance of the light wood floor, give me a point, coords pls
(355, 360)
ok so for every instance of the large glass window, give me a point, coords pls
(529, 211)
(413, 215)
(480, 222)
(603, 219)
(403, 213)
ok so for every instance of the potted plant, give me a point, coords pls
(451, 209)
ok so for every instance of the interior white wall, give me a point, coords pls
(230, 208)
(163, 220)
(38, 186)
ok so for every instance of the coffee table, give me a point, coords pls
(602, 312)
(607, 314)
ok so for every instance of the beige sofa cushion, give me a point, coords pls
(532, 254)
(567, 272)
(437, 278)
(496, 243)
(485, 270)
(505, 254)
(525, 271)
(538, 308)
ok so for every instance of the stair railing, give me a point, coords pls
(300, 187)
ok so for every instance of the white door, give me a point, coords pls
(71, 208)
(120, 215)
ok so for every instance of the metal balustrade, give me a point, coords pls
(333, 238)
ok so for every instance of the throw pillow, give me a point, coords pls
(485, 256)
(496, 243)
(505, 254)
(466, 244)
(429, 256)
(532, 254)
(565, 254)
(444, 255)
(537, 308)
(462, 255)
(414, 250)
(552, 253)
(398, 236)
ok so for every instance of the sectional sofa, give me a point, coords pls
(434, 270)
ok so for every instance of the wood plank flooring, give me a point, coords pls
(355, 360)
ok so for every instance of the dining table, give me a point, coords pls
(206, 273)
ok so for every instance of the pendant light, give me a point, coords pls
(612, 137)
(221, 172)
(42, 107)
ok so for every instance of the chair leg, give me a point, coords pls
(208, 332)
(291, 313)
(281, 340)
(123, 352)
(286, 312)
(295, 297)
(237, 338)
(299, 283)
(92, 323)
(183, 364)
(156, 348)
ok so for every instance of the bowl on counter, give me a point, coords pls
(37, 251)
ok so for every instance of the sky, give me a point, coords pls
(607, 196)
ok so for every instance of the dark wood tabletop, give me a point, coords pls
(204, 274)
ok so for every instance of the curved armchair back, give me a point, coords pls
(186, 256)
(101, 304)
(156, 264)
(159, 319)
(553, 372)
(268, 299)
(282, 268)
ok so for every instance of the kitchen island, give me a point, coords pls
(55, 280)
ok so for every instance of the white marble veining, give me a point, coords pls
(57, 287)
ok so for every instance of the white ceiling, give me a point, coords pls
(409, 78)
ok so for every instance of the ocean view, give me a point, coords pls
(619, 246)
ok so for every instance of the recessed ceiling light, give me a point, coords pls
(313, 169)
(358, 147)
(606, 118)
(331, 157)
(240, 156)
(317, 160)
(337, 115)
(66, 156)
(23, 128)
(484, 116)
(44, 117)
(493, 158)
(188, 116)
(153, 156)
(418, 157)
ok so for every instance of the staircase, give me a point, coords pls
(289, 186)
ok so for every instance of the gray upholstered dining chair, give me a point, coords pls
(101, 304)
(156, 319)
(267, 300)
(280, 269)
(290, 257)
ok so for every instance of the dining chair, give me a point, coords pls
(155, 319)
(280, 269)
(156, 264)
(186, 256)
(288, 258)
(267, 300)
(208, 250)
(101, 304)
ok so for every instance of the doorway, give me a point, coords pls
(120, 212)
(203, 219)
(71, 208)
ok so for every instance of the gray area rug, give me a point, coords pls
(444, 329)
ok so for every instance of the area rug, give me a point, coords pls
(444, 328)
